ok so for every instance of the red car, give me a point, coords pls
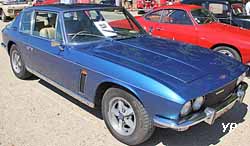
(196, 25)
(45, 2)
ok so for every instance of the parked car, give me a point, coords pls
(9, 9)
(101, 56)
(196, 25)
(108, 2)
(227, 11)
(45, 2)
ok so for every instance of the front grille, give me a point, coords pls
(219, 96)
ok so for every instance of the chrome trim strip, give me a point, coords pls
(78, 97)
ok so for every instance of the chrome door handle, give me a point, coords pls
(159, 28)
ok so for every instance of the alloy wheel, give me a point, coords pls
(122, 116)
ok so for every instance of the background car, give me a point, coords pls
(227, 11)
(45, 2)
(9, 9)
(100, 55)
(196, 25)
(108, 2)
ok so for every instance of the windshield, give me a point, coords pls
(90, 25)
(203, 16)
(13, 1)
(238, 9)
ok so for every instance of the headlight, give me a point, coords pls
(186, 109)
(198, 102)
(241, 78)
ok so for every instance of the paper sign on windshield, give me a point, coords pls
(105, 28)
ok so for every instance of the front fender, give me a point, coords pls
(159, 101)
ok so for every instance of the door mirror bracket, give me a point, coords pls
(57, 44)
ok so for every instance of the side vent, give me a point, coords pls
(82, 80)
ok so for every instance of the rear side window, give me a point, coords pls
(26, 22)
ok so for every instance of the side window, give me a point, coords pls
(45, 23)
(154, 16)
(26, 22)
(176, 17)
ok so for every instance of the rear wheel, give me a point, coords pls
(125, 117)
(17, 64)
(228, 51)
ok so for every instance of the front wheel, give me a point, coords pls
(229, 52)
(125, 117)
(17, 64)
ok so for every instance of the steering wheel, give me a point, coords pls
(207, 20)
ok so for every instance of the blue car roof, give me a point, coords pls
(70, 7)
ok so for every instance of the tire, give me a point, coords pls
(3, 16)
(228, 51)
(17, 64)
(142, 128)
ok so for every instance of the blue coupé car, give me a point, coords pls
(101, 56)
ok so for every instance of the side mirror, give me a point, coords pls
(57, 44)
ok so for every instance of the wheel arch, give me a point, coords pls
(10, 43)
(103, 87)
(227, 45)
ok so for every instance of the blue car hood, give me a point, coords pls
(166, 60)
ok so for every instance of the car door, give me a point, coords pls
(48, 54)
(152, 24)
(178, 23)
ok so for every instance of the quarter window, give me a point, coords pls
(26, 22)
(58, 31)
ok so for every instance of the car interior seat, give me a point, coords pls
(48, 31)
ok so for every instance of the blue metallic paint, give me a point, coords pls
(162, 74)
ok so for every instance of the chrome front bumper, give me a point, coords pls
(209, 115)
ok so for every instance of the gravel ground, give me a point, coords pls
(33, 113)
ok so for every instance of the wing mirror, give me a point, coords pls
(57, 44)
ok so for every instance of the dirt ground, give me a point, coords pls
(33, 113)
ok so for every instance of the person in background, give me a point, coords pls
(129, 4)
(248, 7)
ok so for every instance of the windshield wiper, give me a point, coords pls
(84, 33)
(117, 32)
(124, 35)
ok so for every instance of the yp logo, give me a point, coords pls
(229, 126)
